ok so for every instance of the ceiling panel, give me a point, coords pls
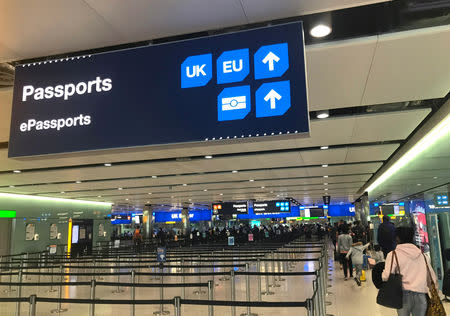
(5, 114)
(154, 19)
(366, 153)
(262, 10)
(384, 125)
(7, 54)
(46, 27)
(417, 65)
(326, 64)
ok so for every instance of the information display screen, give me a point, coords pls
(393, 209)
(280, 206)
(230, 208)
(441, 199)
(245, 84)
(312, 211)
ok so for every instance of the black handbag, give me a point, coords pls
(391, 292)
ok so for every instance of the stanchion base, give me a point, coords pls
(51, 291)
(268, 293)
(199, 292)
(58, 310)
(161, 313)
(117, 291)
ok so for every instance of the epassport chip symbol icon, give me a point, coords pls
(234, 103)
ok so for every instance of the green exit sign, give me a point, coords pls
(7, 214)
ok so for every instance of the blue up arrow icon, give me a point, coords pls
(273, 99)
(271, 61)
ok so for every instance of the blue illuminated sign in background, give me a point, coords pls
(244, 84)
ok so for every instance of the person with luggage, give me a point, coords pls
(356, 253)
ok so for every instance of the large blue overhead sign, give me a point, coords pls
(245, 84)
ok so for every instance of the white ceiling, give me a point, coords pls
(386, 68)
(41, 28)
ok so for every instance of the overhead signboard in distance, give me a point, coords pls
(230, 208)
(245, 84)
(280, 206)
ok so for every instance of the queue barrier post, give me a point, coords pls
(183, 280)
(133, 292)
(118, 290)
(177, 306)
(161, 295)
(92, 296)
(59, 308)
(10, 289)
(32, 310)
(309, 307)
(233, 292)
(258, 269)
(199, 291)
(274, 284)
(267, 292)
(247, 292)
(280, 278)
(19, 292)
(210, 297)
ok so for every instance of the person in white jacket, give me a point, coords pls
(413, 268)
(357, 253)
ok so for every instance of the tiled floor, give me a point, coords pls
(347, 299)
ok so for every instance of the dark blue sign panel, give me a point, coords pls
(194, 216)
(245, 84)
(271, 206)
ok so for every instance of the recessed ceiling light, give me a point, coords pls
(320, 30)
(208, 156)
(119, 188)
(323, 147)
(107, 165)
(325, 183)
(326, 189)
(184, 184)
(234, 171)
(172, 197)
(154, 177)
(99, 196)
(149, 193)
(435, 177)
(62, 192)
(323, 114)
(251, 180)
(148, 201)
(324, 166)
(12, 186)
(271, 191)
(263, 187)
(325, 176)
(419, 184)
(77, 182)
(17, 171)
(127, 199)
(205, 190)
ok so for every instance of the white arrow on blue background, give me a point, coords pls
(270, 58)
(272, 96)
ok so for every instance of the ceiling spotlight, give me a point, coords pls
(126, 199)
(325, 183)
(154, 177)
(325, 176)
(251, 180)
(99, 196)
(205, 190)
(148, 202)
(324, 166)
(320, 30)
(77, 182)
(221, 194)
(326, 189)
(208, 156)
(107, 165)
(271, 191)
(149, 193)
(119, 188)
(323, 147)
(263, 187)
(11, 186)
(184, 184)
(435, 177)
(17, 171)
(322, 114)
(62, 192)
(419, 184)
(234, 171)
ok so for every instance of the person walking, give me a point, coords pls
(386, 236)
(356, 253)
(414, 267)
(344, 243)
